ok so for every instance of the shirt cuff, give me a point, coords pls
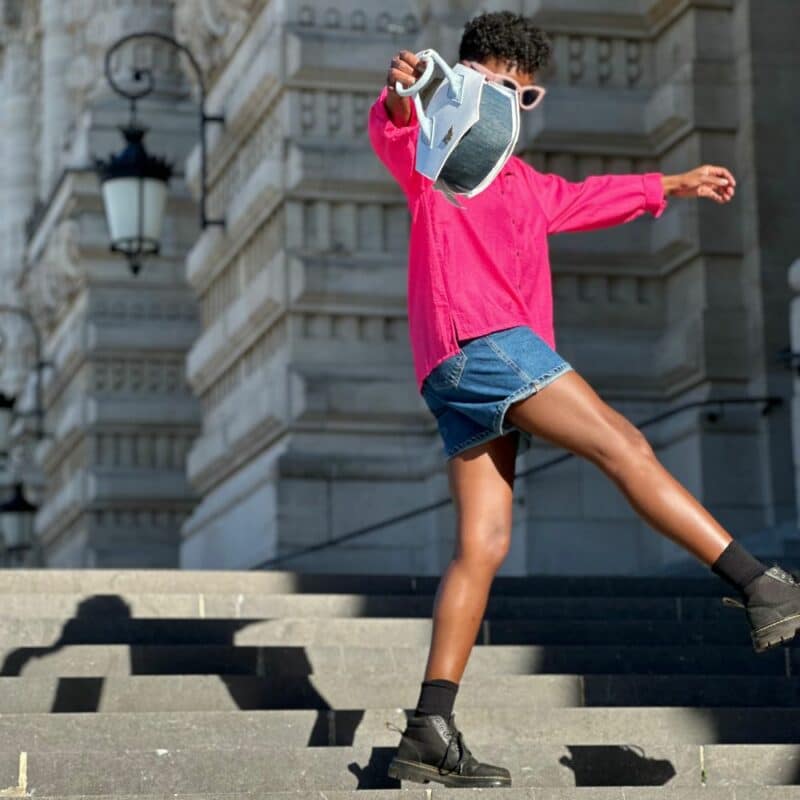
(383, 114)
(655, 200)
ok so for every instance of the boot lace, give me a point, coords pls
(456, 737)
(464, 753)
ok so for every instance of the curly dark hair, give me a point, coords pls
(506, 36)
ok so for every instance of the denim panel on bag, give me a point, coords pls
(482, 145)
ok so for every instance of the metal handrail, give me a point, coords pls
(769, 403)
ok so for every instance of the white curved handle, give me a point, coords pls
(423, 79)
(455, 87)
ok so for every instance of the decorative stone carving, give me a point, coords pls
(211, 29)
(55, 279)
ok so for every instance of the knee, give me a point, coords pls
(628, 449)
(486, 547)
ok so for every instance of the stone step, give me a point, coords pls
(182, 730)
(239, 769)
(407, 663)
(301, 631)
(168, 581)
(426, 793)
(230, 770)
(250, 606)
(116, 693)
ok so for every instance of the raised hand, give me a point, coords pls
(405, 67)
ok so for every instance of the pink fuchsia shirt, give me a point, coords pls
(484, 267)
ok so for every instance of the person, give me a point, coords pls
(481, 332)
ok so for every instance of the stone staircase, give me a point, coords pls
(209, 684)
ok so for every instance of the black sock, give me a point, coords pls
(737, 566)
(437, 697)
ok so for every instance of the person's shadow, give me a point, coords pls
(612, 765)
(256, 677)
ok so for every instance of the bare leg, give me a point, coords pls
(481, 483)
(570, 414)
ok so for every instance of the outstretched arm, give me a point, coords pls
(601, 201)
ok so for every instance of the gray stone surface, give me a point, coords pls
(237, 769)
(214, 581)
(560, 793)
(252, 605)
(204, 719)
(121, 693)
(285, 333)
(344, 632)
(405, 662)
(187, 730)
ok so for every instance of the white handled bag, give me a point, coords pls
(467, 130)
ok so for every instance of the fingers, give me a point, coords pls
(404, 68)
(716, 183)
(719, 175)
(719, 194)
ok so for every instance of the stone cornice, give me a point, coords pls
(629, 18)
(215, 249)
(236, 329)
(213, 460)
(250, 76)
(240, 122)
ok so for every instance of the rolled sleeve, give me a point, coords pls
(654, 199)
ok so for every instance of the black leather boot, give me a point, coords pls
(772, 607)
(433, 749)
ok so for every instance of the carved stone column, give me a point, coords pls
(794, 323)
(55, 99)
(119, 416)
(18, 187)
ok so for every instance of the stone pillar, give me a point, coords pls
(55, 97)
(119, 415)
(794, 324)
(18, 190)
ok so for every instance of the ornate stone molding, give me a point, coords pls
(211, 29)
(55, 279)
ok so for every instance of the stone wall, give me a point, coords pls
(252, 393)
(794, 283)
(312, 428)
(109, 477)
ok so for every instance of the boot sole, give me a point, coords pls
(420, 773)
(776, 634)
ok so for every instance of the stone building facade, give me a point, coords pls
(109, 477)
(251, 392)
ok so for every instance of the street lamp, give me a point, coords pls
(134, 195)
(134, 183)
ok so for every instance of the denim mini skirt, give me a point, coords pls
(469, 393)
